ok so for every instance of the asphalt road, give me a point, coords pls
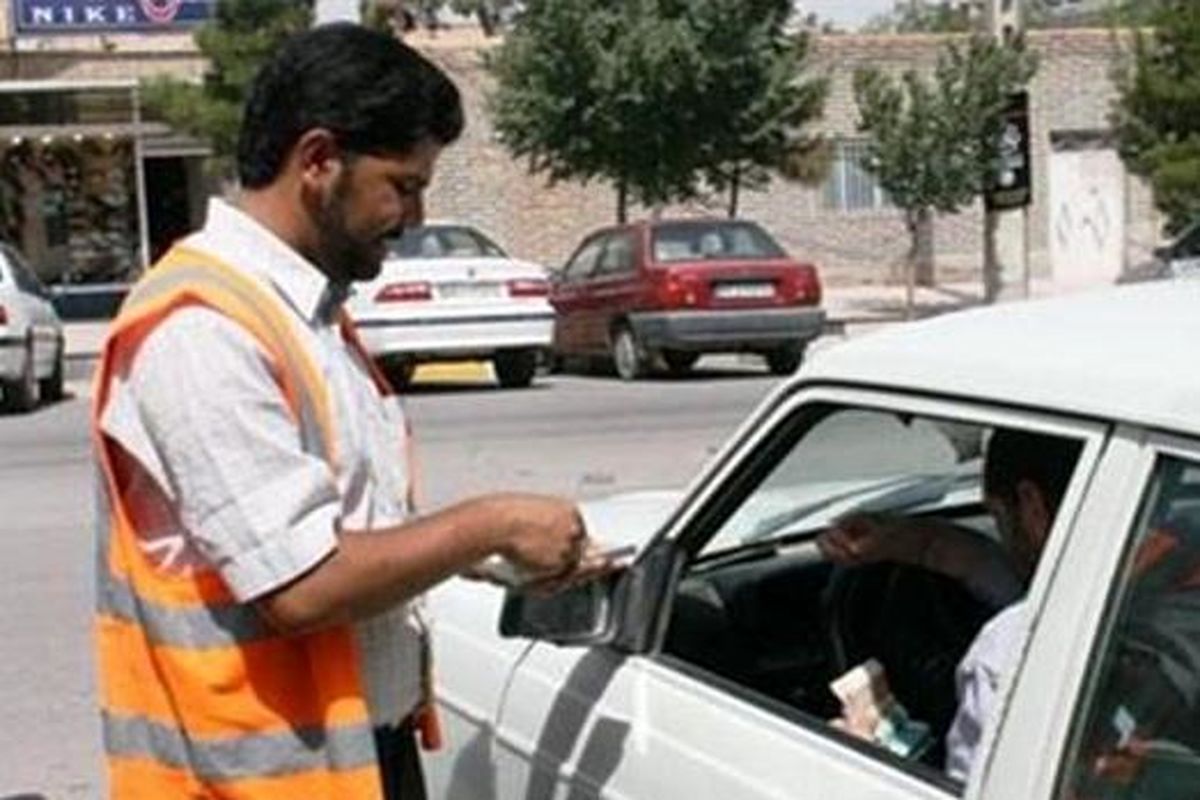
(576, 435)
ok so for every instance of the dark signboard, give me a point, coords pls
(1010, 179)
(33, 17)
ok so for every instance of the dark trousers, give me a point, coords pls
(400, 762)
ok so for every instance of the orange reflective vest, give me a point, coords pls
(200, 698)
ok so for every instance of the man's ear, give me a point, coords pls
(1034, 512)
(317, 157)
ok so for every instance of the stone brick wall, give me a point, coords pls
(1073, 91)
(480, 183)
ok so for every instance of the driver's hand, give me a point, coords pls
(867, 538)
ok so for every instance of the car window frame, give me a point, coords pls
(1158, 446)
(730, 464)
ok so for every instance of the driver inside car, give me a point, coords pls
(1024, 478)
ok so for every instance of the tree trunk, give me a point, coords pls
(991, 260)
(622, 202)
(923, 248)
(912, 220)
(735, 185)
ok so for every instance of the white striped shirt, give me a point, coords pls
(224, 480)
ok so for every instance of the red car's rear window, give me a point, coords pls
(674, 242)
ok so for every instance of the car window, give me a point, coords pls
(760, 606)
(617, 257)
(1138, 729)
(444, 241)
(838, 467)
(583, 263)
(696, 241)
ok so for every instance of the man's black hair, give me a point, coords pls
(1046, 461)
(373, 92)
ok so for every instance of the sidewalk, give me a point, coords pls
(850, 310)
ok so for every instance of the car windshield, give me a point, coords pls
(697, 241)
(444, 241)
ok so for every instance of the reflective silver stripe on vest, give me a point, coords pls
(158, 284)
(231, 758)
(197, 627)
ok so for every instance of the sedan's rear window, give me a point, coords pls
(698, 241)
(444, 241)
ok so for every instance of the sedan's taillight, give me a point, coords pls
(404, 292)
(675, 290)
(3, 315)
(808, 285)
(528, 287)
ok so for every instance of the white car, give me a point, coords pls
(704, 669)
(448, 292)
(31, 337)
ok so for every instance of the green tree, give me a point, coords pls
(236, 42)
(1158, 114)
(755, 104)
(931, 141)
(653, 96)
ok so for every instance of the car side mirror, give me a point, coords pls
(1163, 252)
(582, 615)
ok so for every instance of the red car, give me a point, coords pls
(664, 292)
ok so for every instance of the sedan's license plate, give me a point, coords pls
(743, 290)
(469, 291)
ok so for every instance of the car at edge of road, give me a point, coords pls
(447, 292)
(660, 293)
(32, 350)
(702, 670)
(1179, 258)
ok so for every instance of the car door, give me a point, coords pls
(670, 717)
(614, 288)
(1112, 678)
(570, 298)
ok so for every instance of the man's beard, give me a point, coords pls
(344, 256)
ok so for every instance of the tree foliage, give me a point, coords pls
(1158, 114)
(931, 141)
(239, 38)
(653, 96)
(757, 107)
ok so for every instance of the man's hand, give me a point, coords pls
(543, 537)
(867, 538)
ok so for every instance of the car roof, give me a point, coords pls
(1122, 354)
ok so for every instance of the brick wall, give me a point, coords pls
(1073, 91)
(480, 183)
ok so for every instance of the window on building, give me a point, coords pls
(850, 187)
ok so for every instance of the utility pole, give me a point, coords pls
(1006, 224)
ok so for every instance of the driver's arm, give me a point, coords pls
(952, 550)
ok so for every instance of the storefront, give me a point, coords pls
(89, 191)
